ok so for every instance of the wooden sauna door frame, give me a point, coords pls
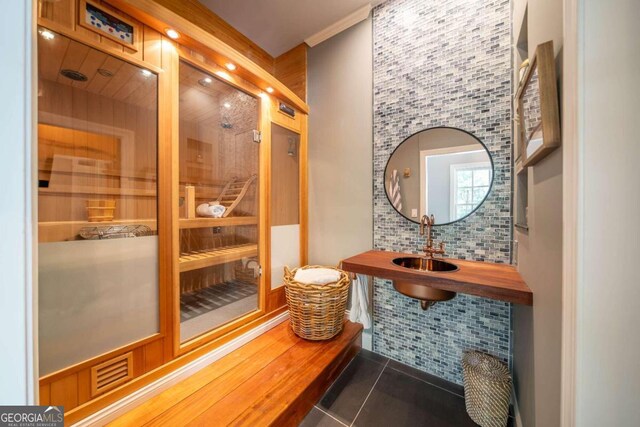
(297, 125)
(196, 46)
(180, 348)
(153, 346)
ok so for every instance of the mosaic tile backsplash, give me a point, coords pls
(443, 63)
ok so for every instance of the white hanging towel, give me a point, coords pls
(359, 309)
(394, 190)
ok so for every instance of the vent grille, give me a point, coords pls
(111, 374)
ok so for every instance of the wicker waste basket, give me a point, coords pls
(316, 312)
(487, 389)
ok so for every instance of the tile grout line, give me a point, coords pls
(370, 391)
(326, 413)
(426, 382)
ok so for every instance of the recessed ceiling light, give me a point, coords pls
(227, 105)
(205, 82)
(47, 35)
(173, 34)
(104, 72)
(270, 89)
(230, 66)
(146, 73)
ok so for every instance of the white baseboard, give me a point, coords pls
(122, 406)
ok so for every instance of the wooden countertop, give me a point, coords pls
(484, 279)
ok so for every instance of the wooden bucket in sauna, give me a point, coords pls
(101, 210)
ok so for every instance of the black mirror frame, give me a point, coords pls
(384, 176)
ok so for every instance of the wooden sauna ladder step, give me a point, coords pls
(233, 193)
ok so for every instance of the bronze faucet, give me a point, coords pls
(429, 250)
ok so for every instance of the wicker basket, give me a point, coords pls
(316, 311)
(487, 389)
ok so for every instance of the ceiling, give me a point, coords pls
(279, 25)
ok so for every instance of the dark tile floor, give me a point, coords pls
(376, 391)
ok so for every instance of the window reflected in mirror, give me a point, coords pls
(444, 172)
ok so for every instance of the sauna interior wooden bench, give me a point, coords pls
(274, 380)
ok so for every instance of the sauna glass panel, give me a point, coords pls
(97, 204)
(285, 203)
(218, 205)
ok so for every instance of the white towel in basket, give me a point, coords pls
(316, 276)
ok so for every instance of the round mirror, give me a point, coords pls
(444, 172)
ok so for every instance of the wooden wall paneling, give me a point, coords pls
(64, 392)
(84, 386)
(152, 46)
(277, 299)
(44, 396)
(60, 12)
(291, 69)
(153, 355)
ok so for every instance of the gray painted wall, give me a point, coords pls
(340, 146)
(537, 329)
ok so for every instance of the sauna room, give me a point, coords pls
(326, 213)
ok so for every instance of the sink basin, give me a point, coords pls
(425, 264)
(427, 295)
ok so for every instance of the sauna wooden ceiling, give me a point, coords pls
(116, 79)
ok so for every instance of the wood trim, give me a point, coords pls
(192, 58)
(203, 17)
(544, 62)
(168, 214)
(229, 221)
(281, 119)
(137, 28)
(265, 189)
(571, 207)
(226, 328)
(86, 364)
(304, 190)
(96, 44)
(158, 17)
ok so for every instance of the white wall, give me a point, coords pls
(340, 146)
(608, 292)
(17, 377)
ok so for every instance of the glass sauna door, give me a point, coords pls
(285, 202)
(218, 185)
(97, 205)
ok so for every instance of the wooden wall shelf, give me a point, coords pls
(196, 260)
(186, 223)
